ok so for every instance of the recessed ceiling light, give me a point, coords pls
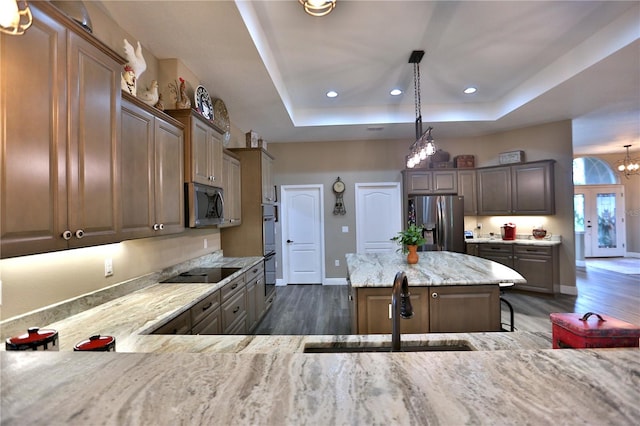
(332, 94)
(395, 92)
(470, 90)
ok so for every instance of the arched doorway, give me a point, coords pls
(598, 202)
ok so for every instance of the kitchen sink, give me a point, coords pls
(358, 347)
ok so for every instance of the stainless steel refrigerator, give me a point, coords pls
(442, 217)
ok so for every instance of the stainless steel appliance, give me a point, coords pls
(269, 248)
(205, 205)
(442, 217)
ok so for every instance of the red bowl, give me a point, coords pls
(539, 233)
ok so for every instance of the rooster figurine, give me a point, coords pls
(136, 65)
(150, 96)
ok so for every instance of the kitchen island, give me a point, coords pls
(450, 292)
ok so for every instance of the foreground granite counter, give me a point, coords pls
(448, 388)
(435, 268)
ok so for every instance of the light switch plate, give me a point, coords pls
(108, 267)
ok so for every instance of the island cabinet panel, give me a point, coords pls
(374, 312)
(455, 309)
(60, 121)
(151, 167)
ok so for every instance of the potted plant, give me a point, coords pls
(409, 240)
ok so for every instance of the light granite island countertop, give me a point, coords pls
(434, 268)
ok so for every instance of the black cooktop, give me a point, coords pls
(202, 275)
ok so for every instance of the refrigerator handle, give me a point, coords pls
(439, 230)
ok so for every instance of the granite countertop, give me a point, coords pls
(435, 268)
(487, 387)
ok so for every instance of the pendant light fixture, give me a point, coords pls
(318, 7)
(15, 17)
(627, 166)
(424, 146)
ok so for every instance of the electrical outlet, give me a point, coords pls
(345, 229)
(479, 226)
(206, 243)
(337, 262)
(108, 267)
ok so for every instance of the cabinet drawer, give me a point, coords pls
(205, 307)
(232, 310)
(494, 248)
(533, 250)
(209, 324)
(252, 274)
(179, 325)
(231, 288)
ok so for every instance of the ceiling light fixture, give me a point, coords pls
(395, 92)
(332, 94)
(318, 7)
(15, 17)
(424, 146)
(470, 90)
(627, 166)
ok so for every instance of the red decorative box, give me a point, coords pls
(576, 331)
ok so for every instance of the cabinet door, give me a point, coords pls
(94, 117)
(463, 309)
(445, 182)
(233, 312)
(200, 140)
(169, 187)
(373, 311)
(532, 187)
(252, 317)
(232, 187)
(215, 158)
(179, 325)
(419, 182)
(494, 191)
(33, 199)
(472, 249)
(268, 190)
(467, 188)
(209, 325)
(537, 266)
(136, 167)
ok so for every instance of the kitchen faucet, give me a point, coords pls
(400, 308)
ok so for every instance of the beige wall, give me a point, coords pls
(382, 161)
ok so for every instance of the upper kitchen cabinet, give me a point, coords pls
(419, 182)
(522, 189)
(152, 191)
(202, 148)
(467, 188)
(60, 115)
(232, 180)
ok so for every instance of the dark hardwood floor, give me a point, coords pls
(317, 309)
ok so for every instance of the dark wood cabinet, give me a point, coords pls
(421, 182)
(60, 98)
(457, 309)
(523, 189)
(467, 188)
(436, 309)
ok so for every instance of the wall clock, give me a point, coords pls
(338, 190)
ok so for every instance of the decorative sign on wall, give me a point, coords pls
(511, 157)
(338, 190)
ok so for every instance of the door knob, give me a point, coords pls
(289, 241)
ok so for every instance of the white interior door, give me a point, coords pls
(599, 213)
(302, 234)
(378, 216)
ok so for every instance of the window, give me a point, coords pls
(593, 171)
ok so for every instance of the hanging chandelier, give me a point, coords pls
(15, 17)
(424, 146)
(318, 7)
(627, 166)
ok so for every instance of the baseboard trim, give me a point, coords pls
(632, 254)
(335, 281)
(568, 289)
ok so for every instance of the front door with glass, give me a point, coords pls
(599, 213)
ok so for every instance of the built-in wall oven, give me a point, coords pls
(269, 248)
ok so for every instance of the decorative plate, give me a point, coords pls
(203, 102)
(221, 115)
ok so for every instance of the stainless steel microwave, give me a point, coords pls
(204, 206)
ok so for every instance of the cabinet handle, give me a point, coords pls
(236, 309)
(233, 287)
(79, 233)
(434, 295)
(207, 306)
(67, 235)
